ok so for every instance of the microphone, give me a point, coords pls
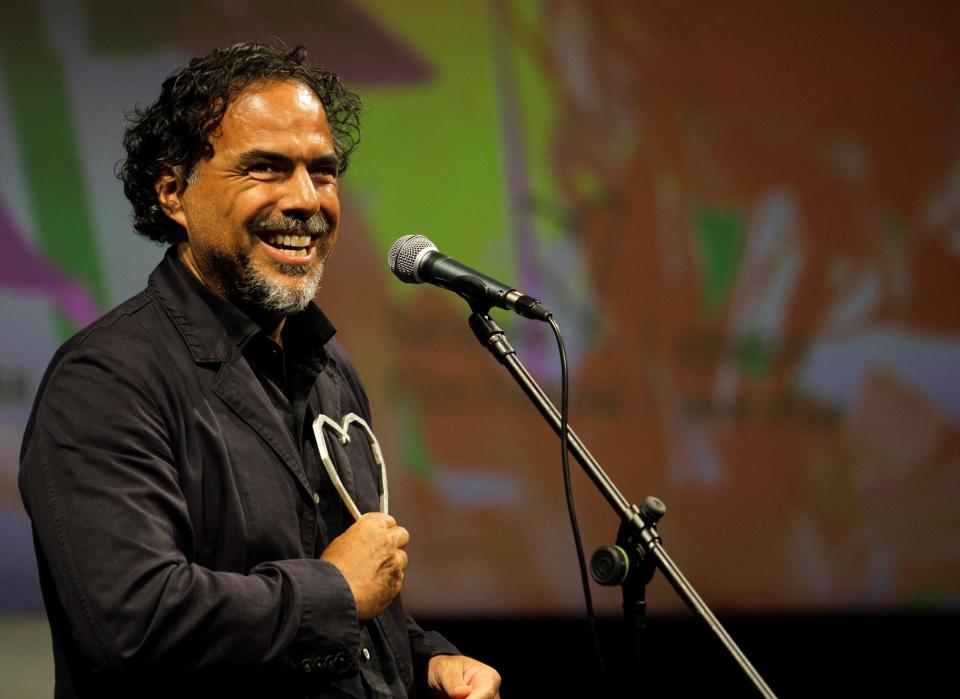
(415, 260)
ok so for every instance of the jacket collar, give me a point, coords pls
(211, 329)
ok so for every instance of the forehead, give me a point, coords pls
(274, 113)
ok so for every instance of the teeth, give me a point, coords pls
(290, 241)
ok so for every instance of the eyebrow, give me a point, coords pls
(258, 155)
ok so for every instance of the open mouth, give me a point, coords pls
(296, 245)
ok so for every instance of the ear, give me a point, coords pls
(169, 189)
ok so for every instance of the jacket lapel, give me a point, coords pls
(235, 383)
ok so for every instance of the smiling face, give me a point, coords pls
(261, 213)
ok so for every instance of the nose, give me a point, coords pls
(302, 198)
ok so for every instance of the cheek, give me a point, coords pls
(245, 207)
(204, 220)
(333, 205)
(233, 206)
(326, 246)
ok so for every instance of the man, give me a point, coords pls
(190, 542)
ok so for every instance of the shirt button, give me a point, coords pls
(316, 498)
(366, 654)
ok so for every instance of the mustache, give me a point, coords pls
(281, 223)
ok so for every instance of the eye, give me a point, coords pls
(324, 175)
(265, 172)
(266, 168)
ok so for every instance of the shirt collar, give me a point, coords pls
(304, 333)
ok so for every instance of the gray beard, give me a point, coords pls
(250, 287)
(269, 295)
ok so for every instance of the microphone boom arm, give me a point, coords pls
(491, 336)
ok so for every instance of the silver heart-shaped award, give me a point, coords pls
(340, 429)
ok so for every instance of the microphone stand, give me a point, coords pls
(638, 533)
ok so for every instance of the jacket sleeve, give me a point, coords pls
(111, 524)
(426, 644)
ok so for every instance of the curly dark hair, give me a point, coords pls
(173, 133)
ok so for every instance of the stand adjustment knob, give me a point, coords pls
(652, 510)
(609, 565)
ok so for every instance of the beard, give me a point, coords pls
(249, 284)
(266, 293)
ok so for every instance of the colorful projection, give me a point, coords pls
(746, 218)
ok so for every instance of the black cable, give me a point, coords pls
(568, 490)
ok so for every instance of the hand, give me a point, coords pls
(460, 677)
(371, 558)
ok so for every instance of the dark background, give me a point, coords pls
(883, 655)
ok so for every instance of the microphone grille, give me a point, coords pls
(404, 254)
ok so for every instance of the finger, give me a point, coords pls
(454, 682)
(483, 692)
(403, 536)
(378, 519)
(403, 560)
(484, 680)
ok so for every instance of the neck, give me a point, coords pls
(271, 323)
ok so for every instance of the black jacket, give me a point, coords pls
(176, 531)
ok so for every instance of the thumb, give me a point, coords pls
(449, 678)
